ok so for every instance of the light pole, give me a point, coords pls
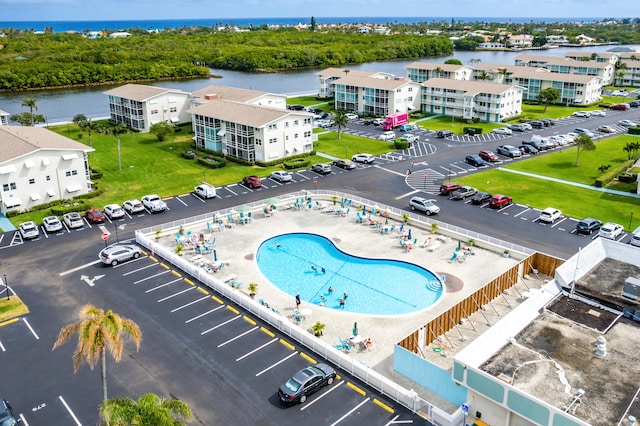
(630, 221)
(6, 284)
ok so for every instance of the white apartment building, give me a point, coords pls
(604, 70)
(38, 166)
(4, 118)
(471, 99)
(574, 89)
(521, 40)
(325, 78)
(376, 96)
(139, 106)
(253, 97)
(422, 71)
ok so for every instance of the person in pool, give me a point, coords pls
(330, 290)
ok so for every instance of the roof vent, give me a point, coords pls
(601, 346)
(631, 421)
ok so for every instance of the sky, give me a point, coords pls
(82, 10)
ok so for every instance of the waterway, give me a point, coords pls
(61, 105)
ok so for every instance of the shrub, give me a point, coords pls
(634, 130)
(297, 163)
(398, 144)
(189, 155)
(607, 177)
(628, 177)
(212, 163)
(70, 206)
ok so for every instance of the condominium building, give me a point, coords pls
(574, 89)
(325, 78)
(471, 99)
(4, 118)
(139, 106)
(376, 96)
(604, 70)
(422, 71)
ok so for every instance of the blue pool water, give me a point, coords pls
(373, 286)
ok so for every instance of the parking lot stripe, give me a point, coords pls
(201, 290)
(287, 344)
(7, 322)
(558, 222)
(62, 274)
(138, 270)
(202, 314)
(275, 365)
(175, 294)
(308, 358)
(189, 304)
(237, 337)
(217, 300)
(318, 398)
(390, 171)
(219, 325)
(188, 281)
(249, 320)
(176, 273)
(162, 285)
(383, 405)
(73, 416)
(2, 348)
(523, 211)
(232, 309)
(355, 388)
(29, 327)
(256, 349)
(351, 411)
(151, 277)
(268, 332)
(165, 266)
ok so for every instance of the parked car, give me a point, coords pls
(94, 216)
(424, 205)
(7, 418)
(528, 149)
(295, 107)
(475, 160)
(133, 206)
(481, 198)
(281, 176)
(498, 201)
(73, 220)
(204, 190)
(526, 126)
(387, 136)
(406, 127)
(634, 104)
(606, 129)
(114, 211)
(367, 121)
(548, 122)
(635, 237)
(583, 131)
(583, 114)
(409, 138)
(448, 187)
(351, 116)
(487, 155)
(444, 133)
(549, 215)
(508, 151)
(118, 253)
(502, 131)
(345, 164)
(154, 203)
(363, 158)
(620, 107)
(305, 382)
(378, 121)
(588, 225)
(538, 143)
(627, 123)
(610, 230)
(599, 113)
(252, 181)
(29, 230)
(52, 224)
(324, 123)
(464, 192)
(322, 168)
(536, 124)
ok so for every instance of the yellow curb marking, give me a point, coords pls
(357, 389)
(383, 405)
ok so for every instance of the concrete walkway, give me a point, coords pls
(5, 224)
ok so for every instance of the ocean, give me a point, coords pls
(159, 24)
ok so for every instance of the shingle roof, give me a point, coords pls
(247, 114)
(140, 92)
(229, 93)
(376, 83)
(16, 141)
(470, 86)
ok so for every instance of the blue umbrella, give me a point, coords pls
(215, 255)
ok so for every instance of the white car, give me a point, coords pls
(583, 114)
(610, 230)
(410, 138)
(571, 137)
(281, 176)
(363, 158)
(351, 116)
(114, 211)
(599, 113)
(378, 121)
(422, 204)
(502, 131)
(387, 136)
(29, 230)
(73, 220)
(133, 206)
(627, 123)
(549, 215)
(154, 203)
(52, 224)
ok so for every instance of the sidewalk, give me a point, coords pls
(5, 224)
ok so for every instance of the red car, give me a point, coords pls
(251, 181)
(487, 155)
(94, 216)
(498, 201)
(620, 107)
(448, 187)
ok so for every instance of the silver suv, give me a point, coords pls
(422, 204)
(119, 253)
(322, 168)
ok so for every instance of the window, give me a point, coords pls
(295, 122)
(272, 126)
(307, 134)
(154, 111)
(71, 173)
(67, 173)
(273, 140)
(258, 141)
(173, 109)
(32, 181)
(286, 124)
(307, 121)
(295, 136)
(8, 186)
(48, 178)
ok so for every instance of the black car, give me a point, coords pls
(588, 226)
(634, 104)
(6, 413)
(305, 382)
(475, 160)
(548, 122)
(367, 121)
(528, 149)
(481, 198)
(537, 124)
(444, 133)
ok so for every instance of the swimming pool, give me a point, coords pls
(373, 286)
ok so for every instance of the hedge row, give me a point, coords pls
(297, 163)
(634, 130)
(212, 163)
(611, 174)
(288, 159)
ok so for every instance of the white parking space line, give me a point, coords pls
(163, 285)
(558, 222)
(176, 294)
(408, 194)
(621, 237)
(349, 412)
(257, 349)
(73, 416)
(237, 317)
(390, 171)
(276, 364)
(189, 304)
(523, 211)
(31, 329)
(198, 198)
(462, 170)
(504, 208)
(24, 421)
(318, 398)
(140, 269)
(229, 189)
(238, 336)
(203, 314)
(62, 274)
(151, 277)
(2, 348)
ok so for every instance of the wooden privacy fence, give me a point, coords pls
(537, 263)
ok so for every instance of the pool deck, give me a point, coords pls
(237, 247)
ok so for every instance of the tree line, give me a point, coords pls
(37, 61)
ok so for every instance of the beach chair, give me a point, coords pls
(241, 220)
(434, 246)
(249, 217)
(367, 344)
(454, 256)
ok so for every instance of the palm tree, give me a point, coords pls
(117, 130)
(438, 71)
(31, 103)
(503, 72)
(150, 409)
(86, 124)
(620, 68)
(340, 120)
(98, 331)
(484, 76)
